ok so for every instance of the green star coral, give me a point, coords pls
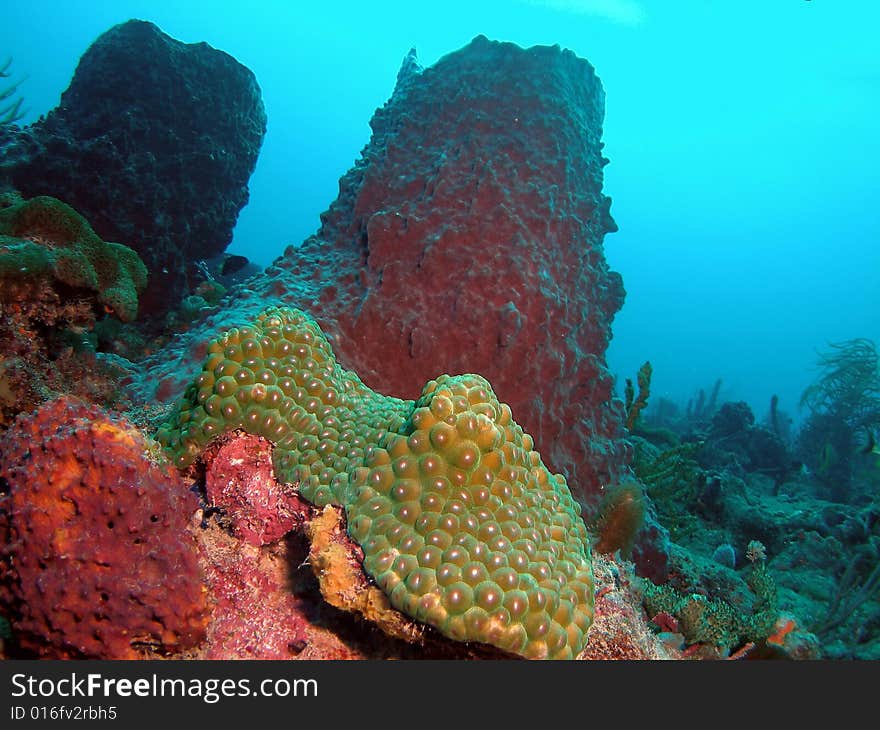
(461, 524)
(45, 239)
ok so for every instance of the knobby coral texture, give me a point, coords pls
(44, 240)
(460, 522)
(99, 562)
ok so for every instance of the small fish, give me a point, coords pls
(226, 268)
(233, 263)
(827, 458)
(867, 442)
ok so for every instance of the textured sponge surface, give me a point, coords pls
(461, 524)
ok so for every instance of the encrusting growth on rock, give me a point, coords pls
(98, 561)
(634, 404)
(461, 524)
(45, 239)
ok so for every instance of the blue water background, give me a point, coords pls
(742, 135)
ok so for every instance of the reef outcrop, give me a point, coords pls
(45, 245)
(469, 238)
(461, 524)
(153, 142)
(60, 285)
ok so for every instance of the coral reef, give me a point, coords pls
(734, 442)
(735, 485)
(156, 154)
(60, 285)
(463, 241)
(844, 405)
(672, 479)
(98, 562)
(461, 524)
(44, 242)
(313, 517)
(853, 611)
(619, 630)
(719, 623)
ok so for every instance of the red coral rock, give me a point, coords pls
(99, 562)
(240, 481)
(620, 629)
(256, 615)
(666, 622)
(469, 240)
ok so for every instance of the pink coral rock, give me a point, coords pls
(240, 481)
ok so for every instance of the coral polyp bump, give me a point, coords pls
(99, 562)
(45, 239)
(461, 524)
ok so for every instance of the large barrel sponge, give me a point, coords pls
(46, 238)
(99, 561)
(461, 524)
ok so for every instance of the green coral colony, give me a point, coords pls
(461, 524)
(44, 237)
